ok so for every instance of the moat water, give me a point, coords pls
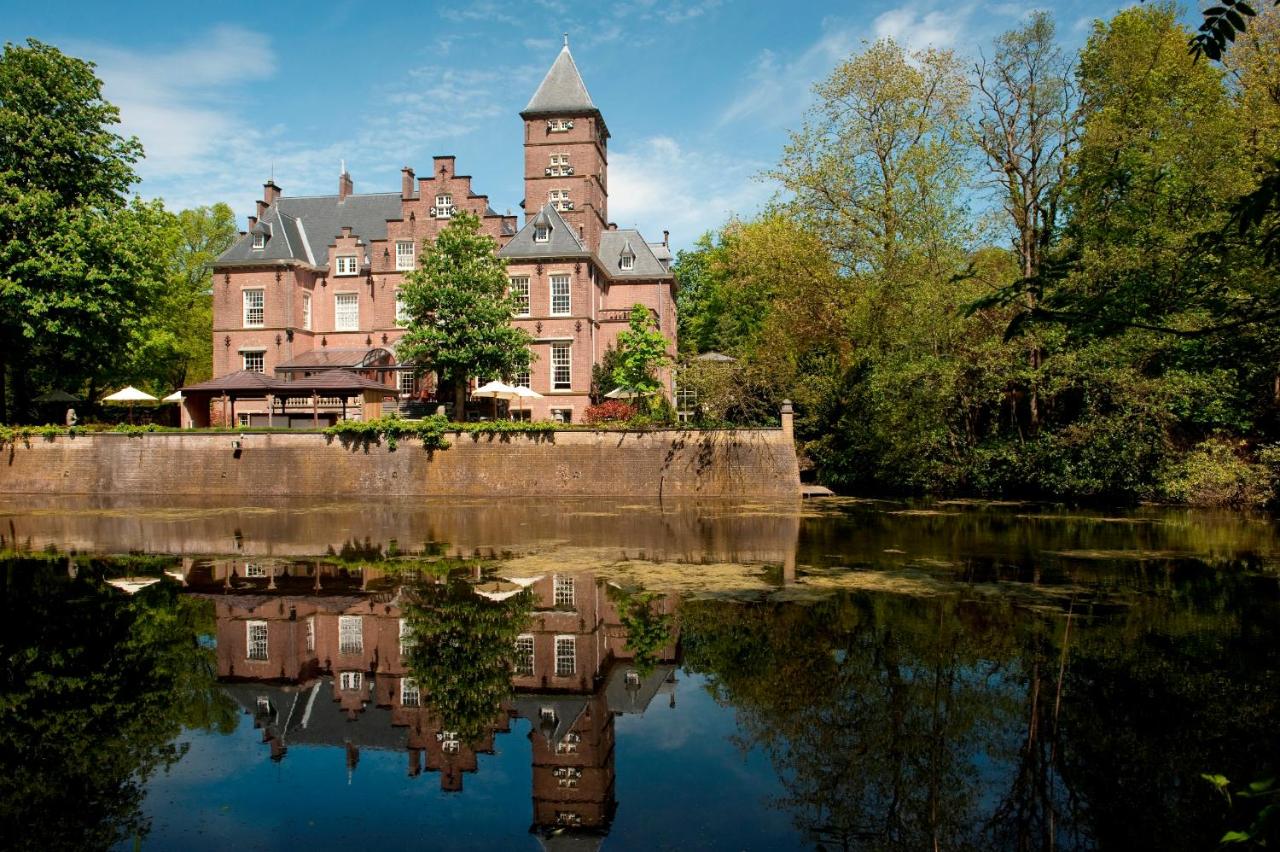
(627, 675)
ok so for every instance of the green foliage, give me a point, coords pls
(1132, 321)
(647, 630)
(97, 687)
(642, 351)
(463, 649)
(459, 310)
(1216, 473)
(362, 433)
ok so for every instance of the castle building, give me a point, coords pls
(312, 285)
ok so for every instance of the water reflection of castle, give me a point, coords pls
(317, 655)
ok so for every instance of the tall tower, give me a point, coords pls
(566, 155)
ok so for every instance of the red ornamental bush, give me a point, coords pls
(608, 411)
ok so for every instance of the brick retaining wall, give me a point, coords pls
(755, 464)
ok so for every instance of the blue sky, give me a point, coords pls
(698, 94)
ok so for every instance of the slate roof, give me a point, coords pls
(564, 240)
(301, 228)
(612, 246)
(561, 91)
(336, 356)
(252, 381)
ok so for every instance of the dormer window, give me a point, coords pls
(444, 206)
(627, 260)
(541, 233)
(559, 125)
(259, 241)
(628, 263)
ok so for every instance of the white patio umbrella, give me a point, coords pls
(495, 390)
(130, 396)
(623, 393)
(526, 393)
(176, 396)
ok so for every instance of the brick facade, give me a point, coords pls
(326, 270)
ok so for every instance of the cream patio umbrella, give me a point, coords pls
(526, 393)
(130, 396)
(496, 390)
(623, 393)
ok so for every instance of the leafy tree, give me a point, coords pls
(459, 311)
(96, 688)
(175, 345)
(642, 352)
(463, 651)
(77, 261)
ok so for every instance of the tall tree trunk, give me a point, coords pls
(460, 399)
(4, 368)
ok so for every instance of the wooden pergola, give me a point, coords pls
(246, 384)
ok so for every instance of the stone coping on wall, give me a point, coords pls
(732, 463)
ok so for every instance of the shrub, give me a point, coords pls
(1216, 473)
(611, 410)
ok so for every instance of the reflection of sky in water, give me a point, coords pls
(681, 783)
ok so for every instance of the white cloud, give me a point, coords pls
(916, 29)
(778, 90)
(660, 184)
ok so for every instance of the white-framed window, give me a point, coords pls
(559, 166)
(402, 310)
(559, 125)
(449, 742)
(521, 379)
(524, 654)
(404, 254)
(254, 569)
(410, 696)
(259, 241)
(628, 262)
(311, 633)
(243, 420)
(350, 634)
(542, 233)
(566, 655)
(568, 745)
(561, 372)
(559, 199)
(255, 640)
(444, 206)
(564, 590)
(560, 295)
(562, 415)
(568, 776)
(350, 681)
(346, 311)
(306, 310)
(348, 264)
(520, 294)
(406, 637)
(254, 312)
(253, 360)
(408, 383)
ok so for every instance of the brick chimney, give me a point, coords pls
(406, 183)
(666, 237)
(345, 185)
(270, 193)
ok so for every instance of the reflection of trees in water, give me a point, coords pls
(901, 723)
(463, 649)
(646, 628)
(97, 686)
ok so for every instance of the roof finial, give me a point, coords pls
(344, 168)
(566, 41)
